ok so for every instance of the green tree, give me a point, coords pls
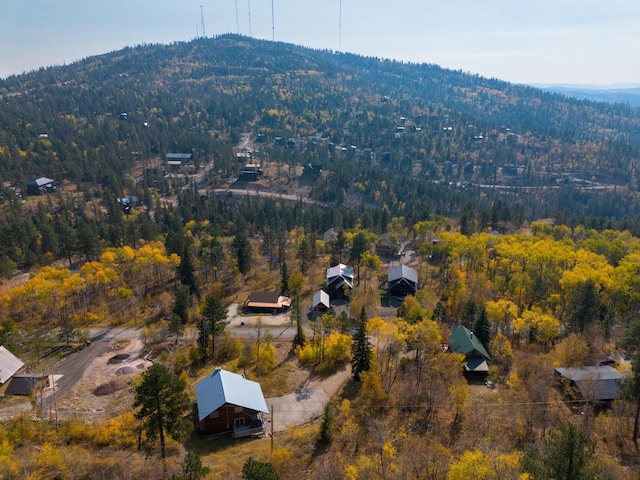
(162, 403)
(186, 272)
(325, 434)
(284, 283)
(214, 316)
(242, 248)
(481, 327)
(583, 306)
(254, 470)
(182, 302)
(361, 353)
(300, 338)
(192, 468)
(565, 455)
(630, 342)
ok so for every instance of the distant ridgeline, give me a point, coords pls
(386, 139)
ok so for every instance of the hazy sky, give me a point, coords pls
(524, 41)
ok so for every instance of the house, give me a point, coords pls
(175, 161)
(267, 302)
(592, 384)
(40, 186)
(329, 236)
(462, 340)
(402, 281)
(9, 366)
(321, 301)
(228, 402)
(339, 281)
(250, 173)
(387, 246)
(312, 170)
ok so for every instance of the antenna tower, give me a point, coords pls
(202, 21)
(237, 21)
(249, 8)
(273, 23)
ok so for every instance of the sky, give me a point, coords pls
(583, 42)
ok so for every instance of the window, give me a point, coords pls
(238, 410)
(238, 422)
(215, 414)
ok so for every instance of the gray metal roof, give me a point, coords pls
(596, 382)
(321, 297)
(223, 387)
(9, 364)
(340, 270)
(402, 271)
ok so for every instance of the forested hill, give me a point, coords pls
(410, 139)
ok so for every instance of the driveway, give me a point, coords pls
(306, 403)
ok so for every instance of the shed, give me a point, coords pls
(321, 301)
(593, 384)
(228, 402)
(27, 384)
(462, 340)
(9, 366)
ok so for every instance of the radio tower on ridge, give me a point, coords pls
(273, 23)
(249, 8)
(202, 21)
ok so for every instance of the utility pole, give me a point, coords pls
(273, 412)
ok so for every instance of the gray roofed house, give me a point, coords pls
(39, 186)
(402, 281)
(339, 277)
(9, 366)
(595, 383)
(330, 235)
(228, 402)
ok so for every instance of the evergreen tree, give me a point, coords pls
(186, 273)
(469, 313)
(565, 455)
(300, 338)
(192, 468)
(181, 303)
(481, 327)
(361, 353)
(163, 403)
(284, 283)
(325, 434)
(214, 316)
(631, 385)
(583, 306)
(242, 249)
(254, 470)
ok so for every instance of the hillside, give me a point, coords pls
(418, 200)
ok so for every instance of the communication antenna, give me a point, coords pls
(273, 23)
(197, 31)
(340, 29)
(202, 21)
(237, 21)
(249, 8)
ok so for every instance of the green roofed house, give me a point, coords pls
(463, 341)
